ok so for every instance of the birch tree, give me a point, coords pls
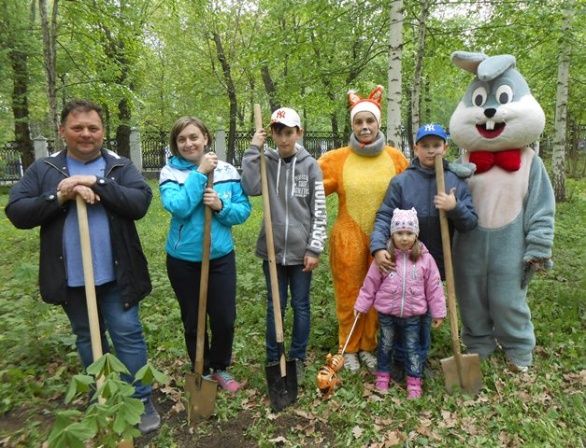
(561, 106)
(394, 74)
(418, 74)
(50, 58)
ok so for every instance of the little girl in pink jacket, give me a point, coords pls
(401, 297)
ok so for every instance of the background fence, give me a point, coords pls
(154, 149)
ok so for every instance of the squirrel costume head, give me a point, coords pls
(370, 104)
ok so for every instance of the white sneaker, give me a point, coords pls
(351, 362)
(517, 368)
(369, 360)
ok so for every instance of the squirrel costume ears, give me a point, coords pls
(376, 96)
(370, 104)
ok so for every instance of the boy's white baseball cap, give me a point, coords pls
(286, 116)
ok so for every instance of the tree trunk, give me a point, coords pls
(50, 58)
(123, 129)
(270, 87)
(19, 62)
(561, 106)
(417, 75)
(394, 74)
(231, 91)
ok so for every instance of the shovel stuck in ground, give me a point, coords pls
(201, 391)
(282, 377)
(460, 371)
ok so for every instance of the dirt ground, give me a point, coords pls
(233, 433)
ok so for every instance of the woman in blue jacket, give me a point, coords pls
(184, 194)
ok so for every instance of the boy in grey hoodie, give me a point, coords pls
(298, 211)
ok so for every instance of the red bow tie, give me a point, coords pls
(509, 160)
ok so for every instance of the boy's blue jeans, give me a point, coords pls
(299, 282)
(123, 326)
(407, 332)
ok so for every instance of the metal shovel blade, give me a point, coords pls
(471, 382)
(201, 396)
(282, 389)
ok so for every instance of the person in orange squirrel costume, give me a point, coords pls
(360, 174)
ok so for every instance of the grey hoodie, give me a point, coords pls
(297, 200)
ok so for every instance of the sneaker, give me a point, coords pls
(226, 380)
(414, 389)
(369, 360)
(518, 368)
(382, 381)
(300, 370)
(351, 362)
(150, 420)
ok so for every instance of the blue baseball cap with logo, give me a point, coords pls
(431, 129)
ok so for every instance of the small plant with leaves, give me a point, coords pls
(113, 414)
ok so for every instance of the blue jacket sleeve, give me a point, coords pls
(237, 209)
(382, 223)
(182, 200)
(463, 216)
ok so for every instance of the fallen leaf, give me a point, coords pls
(449, 419)
(357, 431)
(469, 425)
(178, 407)
(278, 440)
(393, 438)
(304, 414)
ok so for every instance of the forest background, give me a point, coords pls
(149, 61)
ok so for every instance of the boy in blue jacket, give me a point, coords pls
(416, 188)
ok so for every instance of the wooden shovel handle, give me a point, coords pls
(270, 244)
(448, 266)
(88, 279)
(203, 284)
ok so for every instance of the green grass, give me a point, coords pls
(543, 408)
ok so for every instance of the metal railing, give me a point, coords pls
(11, 169)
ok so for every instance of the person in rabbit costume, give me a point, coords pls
(494, 123)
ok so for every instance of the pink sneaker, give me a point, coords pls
(382, 381)
(225, 380)
(414, 389)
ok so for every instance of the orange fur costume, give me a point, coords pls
(360, 180)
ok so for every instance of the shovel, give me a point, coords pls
(90, 289)
(90, 296)
(460, 370)
(281, 378)
(201, 391)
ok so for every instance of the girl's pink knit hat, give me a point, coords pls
(405, 220)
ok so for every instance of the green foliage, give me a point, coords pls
(160, 56)
(113, 415)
